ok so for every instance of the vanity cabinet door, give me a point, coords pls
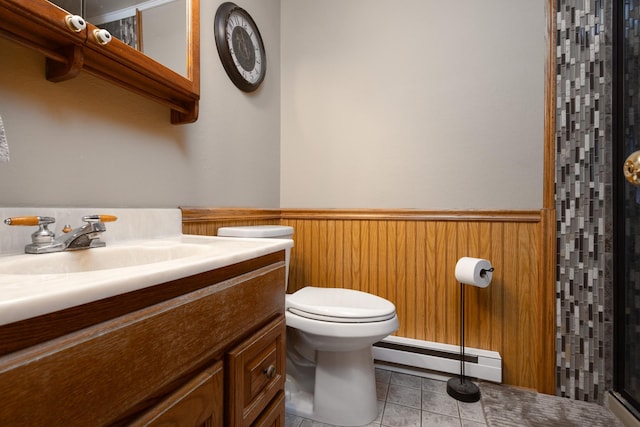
(199, 403)
(256, 374)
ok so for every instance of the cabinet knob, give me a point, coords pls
(270, 372)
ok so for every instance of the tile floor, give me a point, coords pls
(411, 401)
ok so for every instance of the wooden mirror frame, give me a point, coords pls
(42, 26)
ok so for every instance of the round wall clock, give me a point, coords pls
(240, 46)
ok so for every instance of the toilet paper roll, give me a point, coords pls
(474, 271)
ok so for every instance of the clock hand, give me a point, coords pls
(245, 49)
(241, 47)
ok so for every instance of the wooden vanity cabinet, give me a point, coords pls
(207, 350)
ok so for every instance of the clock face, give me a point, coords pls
(245, 47)
(240, 47)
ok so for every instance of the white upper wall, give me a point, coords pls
(86, 142)
(423, 104)
(385, 104)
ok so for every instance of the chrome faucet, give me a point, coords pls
(43, 241)
(84, 237)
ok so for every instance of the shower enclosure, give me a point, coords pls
(626, 202)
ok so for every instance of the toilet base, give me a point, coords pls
(344, 391)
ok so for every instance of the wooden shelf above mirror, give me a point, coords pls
(42, 26)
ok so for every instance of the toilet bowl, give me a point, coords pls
(330, 332)
(330, 369)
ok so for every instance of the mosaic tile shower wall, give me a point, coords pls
(583, 188)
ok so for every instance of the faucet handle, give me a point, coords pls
(30, 220)
(42, 235)
(99, 218)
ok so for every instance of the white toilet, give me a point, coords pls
(330, 331)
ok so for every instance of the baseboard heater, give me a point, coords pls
(432, 359)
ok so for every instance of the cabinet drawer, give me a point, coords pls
(256, 373)
(274, 415)
(197, 403)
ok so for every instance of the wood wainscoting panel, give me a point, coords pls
(409, 258)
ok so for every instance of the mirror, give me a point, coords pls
(154, 50)
(157, 28)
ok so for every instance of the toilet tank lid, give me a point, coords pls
(272, 231)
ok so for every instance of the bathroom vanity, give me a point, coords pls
(203, 350)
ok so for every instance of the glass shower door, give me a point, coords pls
(626, 199)
(627, 295)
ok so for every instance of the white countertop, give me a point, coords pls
(33, 285)
(23, 296)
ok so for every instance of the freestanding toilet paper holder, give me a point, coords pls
(461, 388)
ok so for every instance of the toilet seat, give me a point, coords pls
(339, 305)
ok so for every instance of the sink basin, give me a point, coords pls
(100, 258)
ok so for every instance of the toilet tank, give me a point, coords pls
(263, 232)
